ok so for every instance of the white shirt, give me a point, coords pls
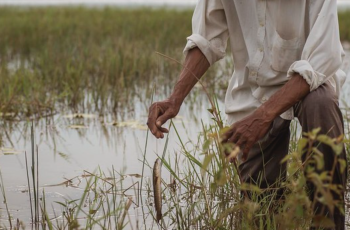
(269, 40)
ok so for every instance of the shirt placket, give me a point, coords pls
(259, 54)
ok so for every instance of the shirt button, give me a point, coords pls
(262, 24)
(261, 49)
(264, 99)
(253, 73)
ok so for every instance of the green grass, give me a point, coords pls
(204, 192)
(97, 60)
(344, 25)
(87, 59)
(210, 195)
(80, 58)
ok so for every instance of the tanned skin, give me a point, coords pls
(246, 132)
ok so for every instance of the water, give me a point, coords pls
(66, 153)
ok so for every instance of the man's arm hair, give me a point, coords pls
(196, 64)
(292, 92)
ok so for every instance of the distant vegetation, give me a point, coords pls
(90, 59)
(62, 56)
(344, 25)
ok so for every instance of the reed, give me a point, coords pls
(3, 192)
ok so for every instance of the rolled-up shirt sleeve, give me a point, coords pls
(209, 30)
(322, 54)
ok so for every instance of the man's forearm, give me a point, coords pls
(292, 92)
(195, 66)
(246, 132)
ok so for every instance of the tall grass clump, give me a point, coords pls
(84, 58)
(206, 191)
(89, 59)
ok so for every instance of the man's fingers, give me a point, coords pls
(163, 118)
(226, 136)
(157, 133)
(233, 153)
(152, 115)
(236, 137)
(154, 112)
(156, 118)
(240, 142)
(246, 150)
(163, 130)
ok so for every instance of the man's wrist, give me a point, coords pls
(177, 101)
(266, 113)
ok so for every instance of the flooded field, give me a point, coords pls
(87, 99)
(69, 148)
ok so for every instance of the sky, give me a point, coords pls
(113, 2)
(342, 3)
(95, 2)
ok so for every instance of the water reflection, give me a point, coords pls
(70, 145)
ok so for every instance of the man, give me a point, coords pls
(287, 56)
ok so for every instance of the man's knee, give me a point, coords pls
(321, 100)
(320, 109)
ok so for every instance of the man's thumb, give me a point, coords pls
(162, 119)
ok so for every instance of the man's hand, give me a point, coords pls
(195, 66)
(246, 132)
(159, 113)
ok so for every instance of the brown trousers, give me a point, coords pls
(318, 109)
